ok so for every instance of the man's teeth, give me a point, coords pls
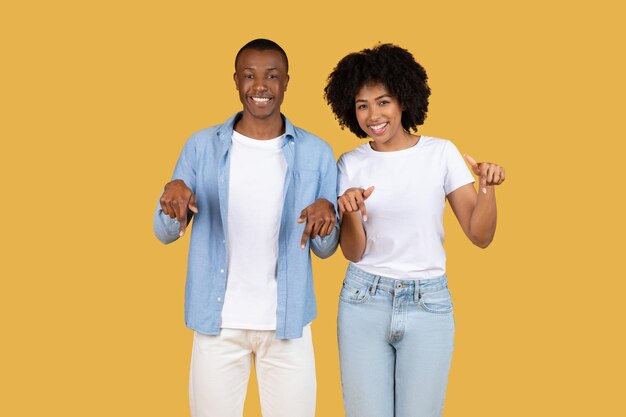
(261, 99)
(378, 127)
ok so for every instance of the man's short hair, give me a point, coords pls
(264, 45)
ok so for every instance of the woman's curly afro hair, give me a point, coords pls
(387, 64)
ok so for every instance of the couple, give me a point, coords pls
(262, 192)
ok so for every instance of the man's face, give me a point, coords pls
(261, 79)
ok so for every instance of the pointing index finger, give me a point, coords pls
(305, 234)
(182, 218)
(471, 160)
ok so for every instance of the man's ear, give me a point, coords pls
(286, 81)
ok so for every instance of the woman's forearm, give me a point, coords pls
(352, 236)
(484, 218)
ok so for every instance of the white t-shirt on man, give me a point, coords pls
(255, 203)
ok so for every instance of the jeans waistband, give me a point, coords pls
(378, 282)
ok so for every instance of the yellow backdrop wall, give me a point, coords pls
(98, 98)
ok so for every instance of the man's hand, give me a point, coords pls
(319, 218)
(353, 200)
(176, 200)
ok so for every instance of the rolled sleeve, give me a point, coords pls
(166, 229)
(325, 246)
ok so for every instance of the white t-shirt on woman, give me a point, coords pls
(404, 228)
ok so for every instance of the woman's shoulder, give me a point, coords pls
(438, 146)
(434, 142)
(357, 153)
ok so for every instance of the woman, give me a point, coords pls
(395, 323)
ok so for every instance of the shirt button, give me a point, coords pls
(222, 271)
(219, 298)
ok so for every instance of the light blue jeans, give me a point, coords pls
(395, 345)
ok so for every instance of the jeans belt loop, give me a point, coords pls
(416, 291)
(374, 285)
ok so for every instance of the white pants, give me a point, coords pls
(220, 370)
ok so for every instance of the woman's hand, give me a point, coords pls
(488, 174)
(353, 200)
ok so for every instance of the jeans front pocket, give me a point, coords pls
(354, 292)
(438, 302)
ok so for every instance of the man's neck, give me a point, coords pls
(261, 129)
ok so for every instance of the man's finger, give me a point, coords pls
(183, 224)
(324, 229)
(315, 230)
(192, 204)
(328, 227)
(173, 209)
(305, 234)
(182, 217)
(164, 206)
(302, 217)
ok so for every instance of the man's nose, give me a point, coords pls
(259, 84)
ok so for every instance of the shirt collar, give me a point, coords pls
(225, 131)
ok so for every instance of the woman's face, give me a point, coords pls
(380, 116)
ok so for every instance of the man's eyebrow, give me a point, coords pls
(267, 69)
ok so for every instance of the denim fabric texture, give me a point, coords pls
(396, 339)
(204, 166)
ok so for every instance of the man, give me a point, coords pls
(261, 192)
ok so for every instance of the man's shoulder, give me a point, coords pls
(209, 134)
(310, 140)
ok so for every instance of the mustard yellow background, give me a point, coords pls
(97, 99)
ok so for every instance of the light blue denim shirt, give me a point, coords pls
(204, 166)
